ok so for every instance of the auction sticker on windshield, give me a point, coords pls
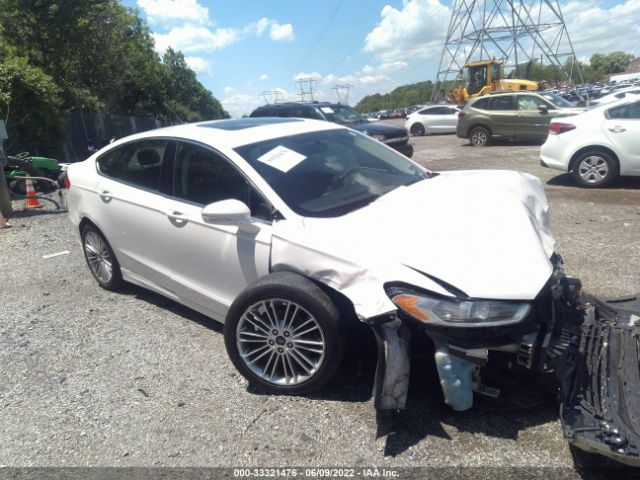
(282, 158)
(326, 109)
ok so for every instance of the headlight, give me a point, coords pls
(452, 311)
(379, 137)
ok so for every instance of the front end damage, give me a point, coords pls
(586, 349)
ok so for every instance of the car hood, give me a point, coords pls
(389, 131)
(481, 234)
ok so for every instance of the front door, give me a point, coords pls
(533, 117)
(212, 263)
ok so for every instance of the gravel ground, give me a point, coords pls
(95, 378)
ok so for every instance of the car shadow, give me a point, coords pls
(170, 305)
(496, 142)
(622, 183)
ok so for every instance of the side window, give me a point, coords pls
(425, 111)
(530, 102)
(203, 177)
(439, 111)
(310, 112)
(482, 103)
(630, 111)
(504, 102)
(137, 163)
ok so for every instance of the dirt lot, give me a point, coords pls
(94, 378)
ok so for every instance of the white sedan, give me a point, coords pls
(596, 146)
(288, 229)
(434, 119)
(617, 95)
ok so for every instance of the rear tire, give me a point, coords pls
(100, 258)
(595, 169)
(264, 334)
(479, 137)
(417, 130)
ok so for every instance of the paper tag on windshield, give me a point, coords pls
(326, 109)
(282, 158)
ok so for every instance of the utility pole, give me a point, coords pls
(272, 96)
(5, 198)
(514, 31)
(307, 88)
(341, 92)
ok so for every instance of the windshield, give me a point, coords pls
(329, 173)
(343, 115)
(557, 100)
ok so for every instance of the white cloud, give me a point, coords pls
(417, 30)
(279, 33)
(172, 11)
(595, 29)
(200, 65)
(300, 75)
(264, 76)
(190, 38)
(228, 90)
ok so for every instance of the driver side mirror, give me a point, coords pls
(230, 211)
(543, 109)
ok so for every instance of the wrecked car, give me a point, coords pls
(285, 229)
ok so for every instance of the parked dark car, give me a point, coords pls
(395, 137)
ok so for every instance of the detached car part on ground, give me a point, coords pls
(287, 229)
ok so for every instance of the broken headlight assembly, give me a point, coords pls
(431, 309)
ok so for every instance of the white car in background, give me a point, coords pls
(433, 119)
(596, 146)
(617, 95)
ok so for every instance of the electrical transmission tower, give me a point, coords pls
(341, 92)
(272, 96)
(515, 31)
(307, 88)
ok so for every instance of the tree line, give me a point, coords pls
(419, 93)
(58, 56)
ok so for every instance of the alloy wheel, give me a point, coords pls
(98, 257)
(479, 138)
(593, 169)
(280, 342)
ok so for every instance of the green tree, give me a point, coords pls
(29, 101)
(401, 97)
(614, 62)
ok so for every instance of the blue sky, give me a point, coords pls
(241, 48)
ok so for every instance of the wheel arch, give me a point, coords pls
(588, 148)
(483, 125)
(344, 304)
(86, 221)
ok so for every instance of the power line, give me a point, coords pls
(341, 92)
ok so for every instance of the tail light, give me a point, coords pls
(67, 183)
(461, 114)
(556, 128)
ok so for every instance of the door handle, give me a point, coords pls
(176, 216)
(617, 129)
(106, 195)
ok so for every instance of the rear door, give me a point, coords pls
(622, 127)
(131, 206)
(502, 112)
(532, 118)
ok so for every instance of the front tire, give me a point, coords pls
(282, 334)
(595, 169)
(479, 137)
(417, 130)
(100, 258)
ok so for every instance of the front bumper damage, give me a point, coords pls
(587, 350)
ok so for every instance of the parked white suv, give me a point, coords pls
(596, 146)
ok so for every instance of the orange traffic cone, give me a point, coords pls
(32, 200)
(3, 222)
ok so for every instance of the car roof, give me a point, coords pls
(236, 132)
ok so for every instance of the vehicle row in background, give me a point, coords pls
(395, 137)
